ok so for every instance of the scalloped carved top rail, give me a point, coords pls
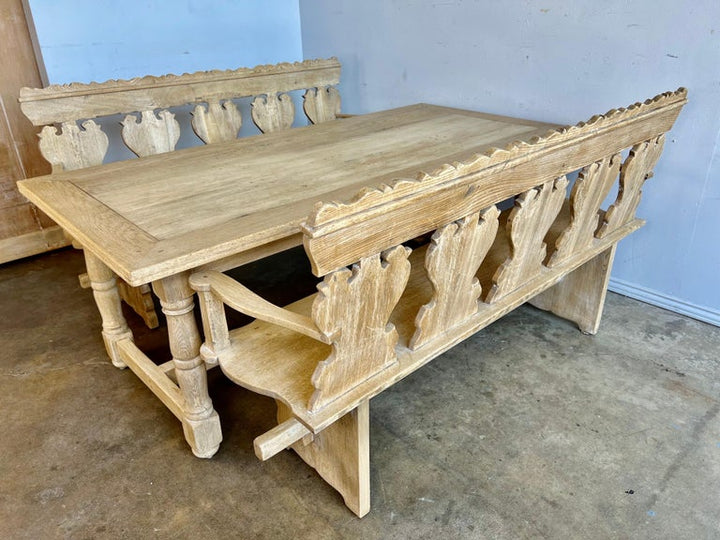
(70, 102)
(456, 190)
(71, 147)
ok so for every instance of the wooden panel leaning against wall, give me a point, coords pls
(24, 230)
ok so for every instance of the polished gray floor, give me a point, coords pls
(530, 429)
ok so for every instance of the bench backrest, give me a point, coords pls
(150, 128)
(353, 308)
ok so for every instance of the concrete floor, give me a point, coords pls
(530, 429)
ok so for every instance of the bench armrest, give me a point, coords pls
(242, 299)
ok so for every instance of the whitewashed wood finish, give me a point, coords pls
(141, 300)
(362, 339)
(279, 438)
(64, 103)
(341, 455)
(634, 171)
(528, 223)
(273, 112)
(242, 299)
(321, 104)
(73, 148)
(279, 178)
(257, 355)
(452, 262)
(580, 295)
(279, 362)
(591, 187)
(104, 286)
(153, 134)
(216, 122)
(201, 423)
(212, 202)
(534, 161)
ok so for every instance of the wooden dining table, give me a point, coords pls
(157, 219)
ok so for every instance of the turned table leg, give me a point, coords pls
(104, 285)
(201, 423)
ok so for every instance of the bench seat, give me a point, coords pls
(257, 357)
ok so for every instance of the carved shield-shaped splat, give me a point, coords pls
(153, 134)
(322, 104)
(273, 112)
(215, 122)
(352, 310)
(73, 148)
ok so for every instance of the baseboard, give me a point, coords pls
(701, 313)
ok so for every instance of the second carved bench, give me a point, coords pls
(383, 310)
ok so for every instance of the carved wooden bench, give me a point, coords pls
(323, 357)
(72, 139)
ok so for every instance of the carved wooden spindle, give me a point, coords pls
(352, 310)
(452, 260)
(528, 223)
(321, 104)
(273, 112)
(201, 424)
(114, 326)
(216, 122)
(153, 134)
(73, 148)
(591, 187)
(634, 171)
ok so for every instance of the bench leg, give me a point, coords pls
(341, 455)
(580, 295)
(104, 286)
(201, 423)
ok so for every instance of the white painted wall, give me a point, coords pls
(562, 62)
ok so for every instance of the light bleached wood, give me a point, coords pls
(273, 112)
(634, 171)
(580, 295)
(153, 377)
(242, 299)
(591, 187)
(140, 299)
(270, 186)
(528, 223)
(321, 104)
(257, 357)
(153, 134)
(452, 260)
(279, 438)
(114, 326)
(31, 243)
(241, 195)
(341, 456)
(215, 122)
(201, 424)
(371, 323)
(482, 182)
(62, 103)
(363, 342)
(73, 148)
(251, 255)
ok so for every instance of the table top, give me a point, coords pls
(152, 217)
